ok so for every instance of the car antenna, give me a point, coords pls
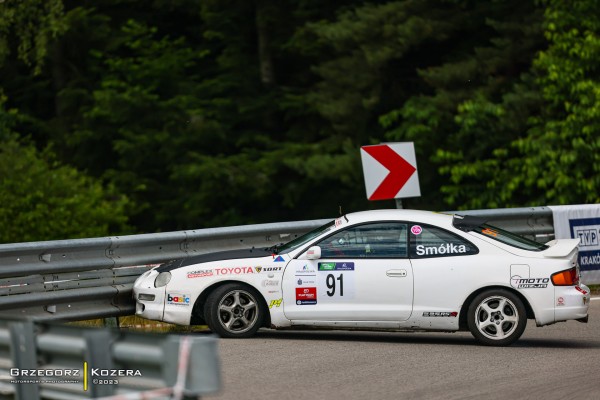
(344, 215)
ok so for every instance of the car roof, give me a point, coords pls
(426, 217)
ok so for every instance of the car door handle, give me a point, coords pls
(396, 273)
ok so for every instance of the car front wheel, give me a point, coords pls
(233, 311)
(497, 317)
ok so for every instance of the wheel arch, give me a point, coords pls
(197, 317)
(462, 323)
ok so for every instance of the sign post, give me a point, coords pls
(390, 171)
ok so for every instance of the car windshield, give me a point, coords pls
(508, 238)
(300, 240)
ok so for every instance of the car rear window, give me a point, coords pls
(508, 238)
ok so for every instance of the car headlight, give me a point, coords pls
(162, 279)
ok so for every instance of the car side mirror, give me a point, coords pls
(313, 253)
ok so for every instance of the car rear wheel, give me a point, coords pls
(497, 317)
(234, 311)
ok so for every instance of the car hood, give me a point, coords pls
(217, 256)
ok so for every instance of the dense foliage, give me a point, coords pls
(208, 113)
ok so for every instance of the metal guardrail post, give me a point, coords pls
(98, 341)
(24, 356)
(202, 377)
(145, 364)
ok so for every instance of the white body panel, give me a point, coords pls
(423, 293)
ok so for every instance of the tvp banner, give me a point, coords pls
(581, 222)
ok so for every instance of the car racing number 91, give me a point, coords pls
(335, 281)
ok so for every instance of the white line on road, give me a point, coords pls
(595, 298)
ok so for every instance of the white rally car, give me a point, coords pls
(385, 270)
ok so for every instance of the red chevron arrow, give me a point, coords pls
(400, 171)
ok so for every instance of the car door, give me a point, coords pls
(364, 274)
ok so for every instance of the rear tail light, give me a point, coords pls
(569, 277)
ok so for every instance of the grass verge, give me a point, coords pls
(134, 323)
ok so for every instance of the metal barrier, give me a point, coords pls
(93, 278)
(51, 361)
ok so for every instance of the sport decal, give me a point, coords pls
(306, 295)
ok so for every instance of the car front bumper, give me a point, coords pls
(149, 300)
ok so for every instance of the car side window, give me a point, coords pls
(429, 241)
(380, 240)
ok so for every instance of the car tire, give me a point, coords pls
(497, 317)
(234, 311)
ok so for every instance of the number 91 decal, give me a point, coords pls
(335, 281)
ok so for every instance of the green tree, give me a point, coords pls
(30, 25)
(41, 199)
(555, 158)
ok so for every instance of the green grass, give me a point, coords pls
(137, 324)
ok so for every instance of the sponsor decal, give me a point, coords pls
(178, 299)
(448, 248)
(305, 270)
(234, 271)
(581, 290)
(306, 295)
(490, 232)
(306, 280)
(588, 232)
(275, 303)
(416, 230)
(336, 266)
(528, 283)
(268, 283)
(452, 314)
(258, 269)
(560, 301)
(278, 259)
(338, 222)
(200, 273)
(272, 269)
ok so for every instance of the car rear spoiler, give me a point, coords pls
(467, 222)
(559, 248)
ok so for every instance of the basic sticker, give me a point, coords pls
(178, 299)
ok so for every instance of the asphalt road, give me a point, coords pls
(560, 361)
